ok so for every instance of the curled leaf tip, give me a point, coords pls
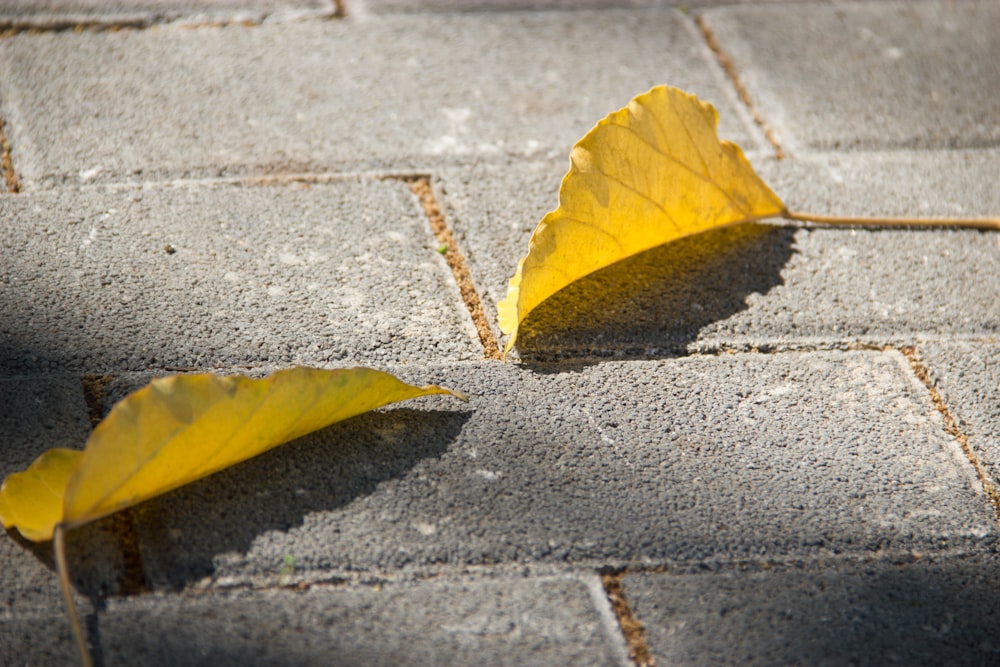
(32, 500)
(650, 173)
(433, 388)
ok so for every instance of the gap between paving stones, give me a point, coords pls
(951, 426)
(140, 21)
(631, 627)
(7, 162)
(726, 62)
(421, 187)
(133, 577)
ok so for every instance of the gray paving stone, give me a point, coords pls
(761, 286)
(225, 275)
(60, 14)
(933, 611)
(955, 183)
(702, 458)
(460, 621)
(39, 413)
(390, 93)
(968, 376)
(869, 75)
(518, 5)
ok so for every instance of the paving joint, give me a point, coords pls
(133, 578)
(572, 356)
(298, 178)
(13, 28)
(93, 396)
(631, 627)
(726, 62)
(421, 188)
(951, 425)
(7, 162)
(55, 25)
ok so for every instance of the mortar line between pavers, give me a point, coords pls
(421, 188)
(7, 162)
(951, 425)
(307, 579)
(246, 180)
(630, 626)
(718, 348)
(726, 62)
(28, 26)
(133, 576)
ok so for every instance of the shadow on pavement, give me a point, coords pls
(656, 303)
(933, 611)
(185, 534)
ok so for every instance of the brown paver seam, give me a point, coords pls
(421, 187)
(7, 162)
(9, 28)
(133, 576)
(632, 629)
(29, 27)
(951, 425)
(93, 396)
(726, 61)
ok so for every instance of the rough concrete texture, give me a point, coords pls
(931, 611)
(704, 458)
(387, 94)
(967, 374)
(465, 621)
(953, 183)
(757, 286)
(223, 276)
(62, 14)
(869, 75)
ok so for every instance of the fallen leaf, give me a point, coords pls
(32, 500)
(650, 173)
(181, 428)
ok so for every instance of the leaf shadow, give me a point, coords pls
(184, 534)
(176, 539)
(655, 304)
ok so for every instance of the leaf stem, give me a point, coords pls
(861, 221)
(59, 537)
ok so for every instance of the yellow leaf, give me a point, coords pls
(647, 174)
(182, 428)
(32, 500)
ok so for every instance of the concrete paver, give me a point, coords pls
(209, 276)
(704, 458)
(938, 183)
(968, 377)
(334, 95)
(931, 611)
(845, 76)
(457, 621)
(759, 286)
